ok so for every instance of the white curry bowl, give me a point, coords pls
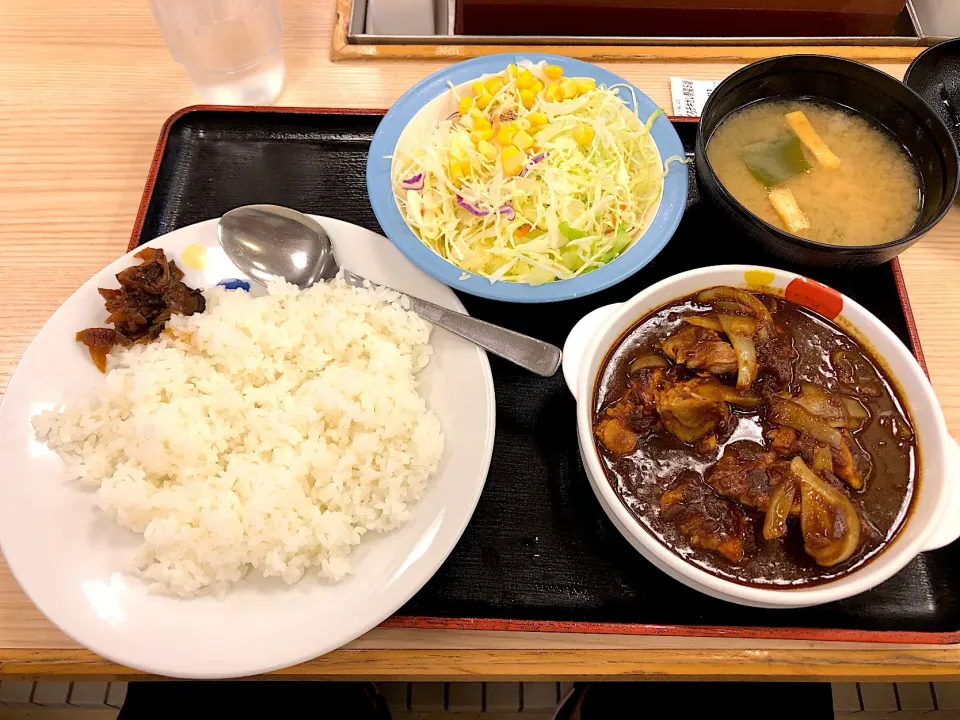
(934, 520)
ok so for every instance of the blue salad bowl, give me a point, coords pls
(395, 227)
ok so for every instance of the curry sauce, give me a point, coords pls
(788, 470)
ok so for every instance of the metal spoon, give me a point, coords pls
(269, 242)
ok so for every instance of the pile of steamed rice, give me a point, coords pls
(267, 434)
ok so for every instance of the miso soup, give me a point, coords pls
(818, 171)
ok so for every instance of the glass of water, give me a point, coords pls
(230, 48)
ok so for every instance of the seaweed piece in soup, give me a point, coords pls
(817, 170)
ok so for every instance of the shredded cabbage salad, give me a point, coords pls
(533, 178)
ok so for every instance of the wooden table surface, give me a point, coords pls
(84, 89)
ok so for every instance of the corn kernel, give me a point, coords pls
(511, 72)
(463, 107)
(487, 150)
(527, 99)
(537, 87)
(525, 80)
(484, 100)
(553, 72)
(486, 134)
(537, 119)
(585, 85)
(512, 160)
(475, 137)
(505, 134)
(569, 88)
(478, 88)
(493, 85)
(583, 134)
(553, 93)
(456, 172)
(481, 123)
(522, 140)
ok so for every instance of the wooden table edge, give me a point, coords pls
(342, 49)
(881, 664)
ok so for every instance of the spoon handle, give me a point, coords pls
(527, 352)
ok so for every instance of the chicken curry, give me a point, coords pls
(755, 438)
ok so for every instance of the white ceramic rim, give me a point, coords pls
(934, 451)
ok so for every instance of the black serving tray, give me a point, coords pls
(539, 553)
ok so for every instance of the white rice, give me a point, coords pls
(266, 434)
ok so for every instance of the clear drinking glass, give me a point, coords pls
(230, 48)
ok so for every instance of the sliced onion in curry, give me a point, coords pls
(749, 301)
(790, 414)
(740, 331)
(822, 460)
(706, 321)
(781, 503)
(838, 411)
(827, 407)
(730, 307)
(828, 520)
(717, 391)
(855, 411)
(645, 362)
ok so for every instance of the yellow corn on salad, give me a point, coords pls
(535, 177)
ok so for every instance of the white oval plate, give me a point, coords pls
(70, 558)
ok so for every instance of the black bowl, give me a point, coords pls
(934, 72)
(872, 94)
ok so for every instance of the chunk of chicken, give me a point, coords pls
(687, 414)
(615, 436)
(646, 386)
(701, 349)
(707, 521)
(784, 441)
(691, 409)
(787, 443)
(619, 428)
(748, 473)
(777, 357)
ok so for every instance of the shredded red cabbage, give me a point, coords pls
(508, 212)
(413, 183)
(533, 161)
(472, 209)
